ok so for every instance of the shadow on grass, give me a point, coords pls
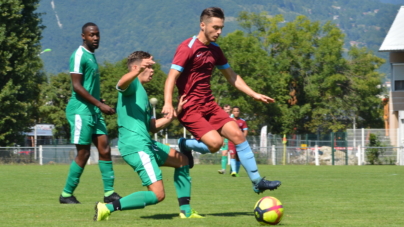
(171, 216)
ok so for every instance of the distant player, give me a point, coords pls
(224, 148)
(234, 160)
(138, 149)
(84, 115)
(191, 71)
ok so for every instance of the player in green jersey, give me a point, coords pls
(137, 148)
(84, 115)
(225, 147)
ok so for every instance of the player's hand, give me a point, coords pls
(106, 109)
(168, 111)
(146, 63)
(181, 102)
(263, 98)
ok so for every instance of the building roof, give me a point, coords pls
(394, 40)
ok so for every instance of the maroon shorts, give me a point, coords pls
(232, 148)
(200, 119)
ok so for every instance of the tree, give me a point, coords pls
(315, 86)
(20, 33)
(54, 98)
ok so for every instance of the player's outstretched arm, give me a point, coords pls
(158, 124)
(238, 82)
(135, 70)
(80, 90)
(168, 109)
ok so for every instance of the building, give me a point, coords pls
(394, 43)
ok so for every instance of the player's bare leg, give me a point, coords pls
(209, 143)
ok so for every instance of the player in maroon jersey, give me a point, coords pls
(191, 72)
(234, 159)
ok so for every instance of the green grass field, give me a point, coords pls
(311, 195)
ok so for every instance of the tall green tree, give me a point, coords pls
(20, 33)
(316, 84)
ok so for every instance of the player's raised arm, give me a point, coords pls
(134, 72)
(236, 80)
(168, 109)
(80, 90)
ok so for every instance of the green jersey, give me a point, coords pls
(134, 114)
(83, 62)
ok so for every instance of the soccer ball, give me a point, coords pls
(268, 210)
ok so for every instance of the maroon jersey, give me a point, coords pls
(196, 62)
(242, 124)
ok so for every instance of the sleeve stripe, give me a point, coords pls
(177, 67)
(119, 89)
(223, 66)
(192, 42)
(77, 60)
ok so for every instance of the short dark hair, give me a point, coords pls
(212, 12)
(236, 107)
(88, 24)
(136, 56)
(226, 105)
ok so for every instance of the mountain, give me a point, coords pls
(158, 26)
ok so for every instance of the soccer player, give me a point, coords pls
(138, 149)
(191, 71)
(84, 115)
(234, 159)
(224, 148)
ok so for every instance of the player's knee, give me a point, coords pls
(105, 152)
(239, 134)
(160, 196)
(83, 155)
(215, 145)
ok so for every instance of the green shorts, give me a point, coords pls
(147, 161)
(83, 127)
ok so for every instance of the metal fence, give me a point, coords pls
(341, 148)
(274, 155)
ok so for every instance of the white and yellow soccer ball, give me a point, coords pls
(268, 210)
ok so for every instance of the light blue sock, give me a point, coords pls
(238, 163)
(196, 145)
(247, 159)
(233, 165)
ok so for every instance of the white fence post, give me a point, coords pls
(316, 156)
(40, 154)
(358, 154)
(363, 155)
(273, 155)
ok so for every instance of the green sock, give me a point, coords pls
(137, 200)
(224, 162)
(73, 179)
(182, 182)
(107, 173)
